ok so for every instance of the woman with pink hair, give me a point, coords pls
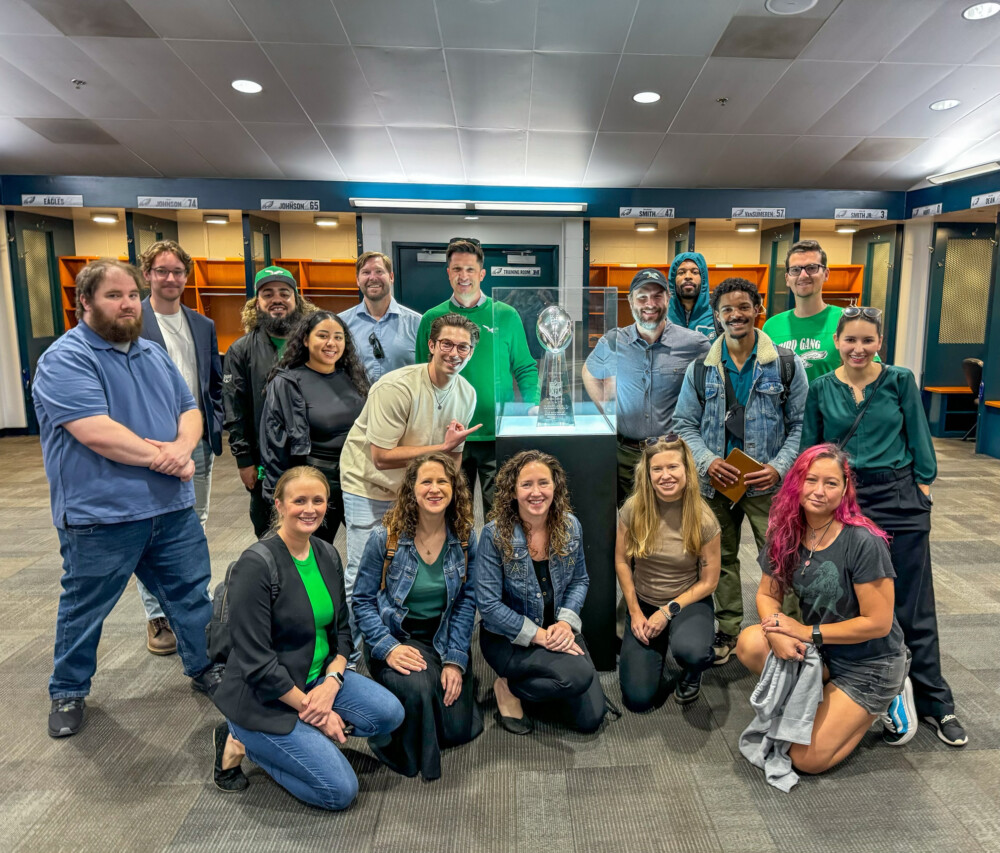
(837, 562)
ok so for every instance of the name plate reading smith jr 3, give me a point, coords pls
(554, 329)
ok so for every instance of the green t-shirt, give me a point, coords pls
(279, 345)
(500, 329)
(322, 607)
(811, 338)
(428, 595)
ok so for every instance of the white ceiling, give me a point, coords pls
(508, 92)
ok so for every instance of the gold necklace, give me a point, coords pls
(821, 538)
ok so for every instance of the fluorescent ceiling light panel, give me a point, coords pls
(410, 203)
(326, 221)
(980, 11)
(958, 174)
(247, 87)
(216, 218)
(646, 226)
(747, 229)
(533, 206)
(104, 218)
(847, 229)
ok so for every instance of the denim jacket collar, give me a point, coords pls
(766, 351)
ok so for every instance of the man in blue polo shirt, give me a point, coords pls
(118, 426)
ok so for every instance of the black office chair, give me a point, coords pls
(973, 370)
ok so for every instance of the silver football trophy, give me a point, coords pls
(554, 329)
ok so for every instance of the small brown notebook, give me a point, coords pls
(747, 465)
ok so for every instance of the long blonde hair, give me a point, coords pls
(642, 505)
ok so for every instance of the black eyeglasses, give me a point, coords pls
(376, 346)
(853, 311)
(811, 269)
(668, 438)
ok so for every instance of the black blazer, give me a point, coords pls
(206, 347)
(274, 643)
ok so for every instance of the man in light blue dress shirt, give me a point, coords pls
(384, 331)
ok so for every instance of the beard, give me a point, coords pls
(115, 331)
(648, 325)
(278, 327)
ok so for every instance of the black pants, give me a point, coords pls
(260, 510)
(480, 457)
(334, 507)
(892, 500)
(429, 726)
(688, 638)
(555, 684)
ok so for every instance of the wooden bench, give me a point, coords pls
(951, 409)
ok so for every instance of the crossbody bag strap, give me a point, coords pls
(465, 550)
(847, 436)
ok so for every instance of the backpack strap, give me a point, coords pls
(465, 551)
(261, 550)
(786, 360)
(390, 552)
(698, 377)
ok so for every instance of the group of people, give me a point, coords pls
(383, 421)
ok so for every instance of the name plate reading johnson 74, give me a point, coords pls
(48, 200)
(758, 213)
(860, 213)
(183, 202)
(645, 212)
(289, 204)
(533, 272)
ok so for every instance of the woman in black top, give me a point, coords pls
(313, 397)
(286, 692)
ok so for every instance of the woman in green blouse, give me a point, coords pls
(874, 412)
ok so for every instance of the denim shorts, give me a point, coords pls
(872, 683)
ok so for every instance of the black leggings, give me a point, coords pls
(554, 683)
(688, 638)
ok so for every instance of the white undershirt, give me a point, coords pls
(180, 347)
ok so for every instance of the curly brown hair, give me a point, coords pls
(402, 516)
(505, 513)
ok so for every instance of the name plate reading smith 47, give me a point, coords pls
(531, 272)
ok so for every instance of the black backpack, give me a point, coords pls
(785, 356)
(217, 636)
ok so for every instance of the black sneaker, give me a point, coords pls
(688, 688)
(723, 647)
(949, 729)
(209, 680)
(66, 716)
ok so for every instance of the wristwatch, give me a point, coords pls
(336, 676)
(817, 637)
(671, 609)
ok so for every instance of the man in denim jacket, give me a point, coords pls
(764, 421)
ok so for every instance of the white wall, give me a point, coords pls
(12, 414)
(103, 241)
(914, 286)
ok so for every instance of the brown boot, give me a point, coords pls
(160, 640)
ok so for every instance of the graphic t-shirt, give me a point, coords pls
(810, 338)
(826, 588)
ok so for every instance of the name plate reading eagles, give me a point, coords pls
(758, 213)
(43, 200)
(646, 212)
(182, 202)
(533, 272)
(986, 199)
(860, 213)
(927, 210)
(289, 204)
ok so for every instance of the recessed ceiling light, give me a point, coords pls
(958, 174)
(646, 97)
(248, 87)
(216, 218)
(747, 228)
(980, 11)
(646, 225)
(105, 218)
(789, 7)
(472, 217)
(326, 221)
(945, 104)
(846, 229)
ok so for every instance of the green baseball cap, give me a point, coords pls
(269, 275)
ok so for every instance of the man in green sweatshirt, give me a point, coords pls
(501, 331)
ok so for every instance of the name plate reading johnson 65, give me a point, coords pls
(516, 271)
(289, 204)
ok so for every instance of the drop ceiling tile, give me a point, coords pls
(364, 153)
(493, 156)
(767, 36)
(878, 95)
(228, 147)
(597, 28)
(863, 31)
(671, 76)
(155, 75)
(745, 82)
(93, 18)
(809, 158)
(882, 150)
(684, 159)
(621, 159)
(803, 94)
(18, 18)
(218, 63)
(928, 159)
(193, 19)
(557, 158)
(69, 131)
(748, 161)
(297, 149)
(22, 96)
(981, 123)
(306, 67)
(947, 37)
(491, 88)
(982, 152)
(389, 23)
(664, 28)
(301, 22)
(410, 85)
(162, 147)
(53, 61)
(851, 175)
(500, 24)
(989, 55)
(429, 154)
(569, 90)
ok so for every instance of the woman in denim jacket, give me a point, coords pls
(531, 585)
(415, 603)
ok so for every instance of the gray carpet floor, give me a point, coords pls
(138, 776)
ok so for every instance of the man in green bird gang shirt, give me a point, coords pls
(501, 331)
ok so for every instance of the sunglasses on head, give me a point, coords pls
(376, 346)
(669, 438)
(853, 311)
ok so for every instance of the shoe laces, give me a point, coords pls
(68, 704)
(947, 718)
(159, 623)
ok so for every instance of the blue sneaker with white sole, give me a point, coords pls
(900, 721)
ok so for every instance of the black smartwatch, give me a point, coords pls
(817, 637)
(671, 610)
(336, 676)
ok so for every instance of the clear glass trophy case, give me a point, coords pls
(562, 329)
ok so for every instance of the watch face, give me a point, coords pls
(674, 608)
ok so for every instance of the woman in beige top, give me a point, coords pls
(667, 559)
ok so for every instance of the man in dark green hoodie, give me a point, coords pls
(689, 294)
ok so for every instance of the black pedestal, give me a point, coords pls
(590, 462)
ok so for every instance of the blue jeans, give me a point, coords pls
(361, 517)
(203, 458)
(167, 552)
(306, 763)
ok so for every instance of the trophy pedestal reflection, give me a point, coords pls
(555, 403)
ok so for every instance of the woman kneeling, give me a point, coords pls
(837, 562)
(286, 695)
(531, 583)
(667, 558)
(415, 604)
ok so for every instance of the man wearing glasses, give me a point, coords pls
(190, 340)
(808, 329)
(384, 331)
